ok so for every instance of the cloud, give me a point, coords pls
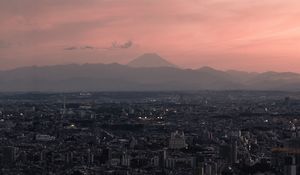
(71, 48)
(125, 45)
(114, 45)
(87, 47)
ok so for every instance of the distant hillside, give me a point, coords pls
(116, 77)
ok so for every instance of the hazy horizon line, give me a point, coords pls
(122, 64)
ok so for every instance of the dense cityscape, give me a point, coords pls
(150, 133)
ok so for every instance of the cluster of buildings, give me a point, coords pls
(162, 133)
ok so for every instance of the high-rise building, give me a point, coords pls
(229, 152)
(290, 167)
(162, 158)
(177, 140)
(106, 155)
(125, 159)
(233, 151)
(8, 155)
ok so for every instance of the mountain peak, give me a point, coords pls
(207, 68)
(150, 60)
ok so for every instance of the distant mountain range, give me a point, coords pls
(148, 72)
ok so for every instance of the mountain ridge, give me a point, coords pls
(117, 77)
(148, 72)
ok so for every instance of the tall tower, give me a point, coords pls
(64, 109)
(64, 104)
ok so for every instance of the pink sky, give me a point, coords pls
(250, 35)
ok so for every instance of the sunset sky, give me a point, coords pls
(250, 35)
